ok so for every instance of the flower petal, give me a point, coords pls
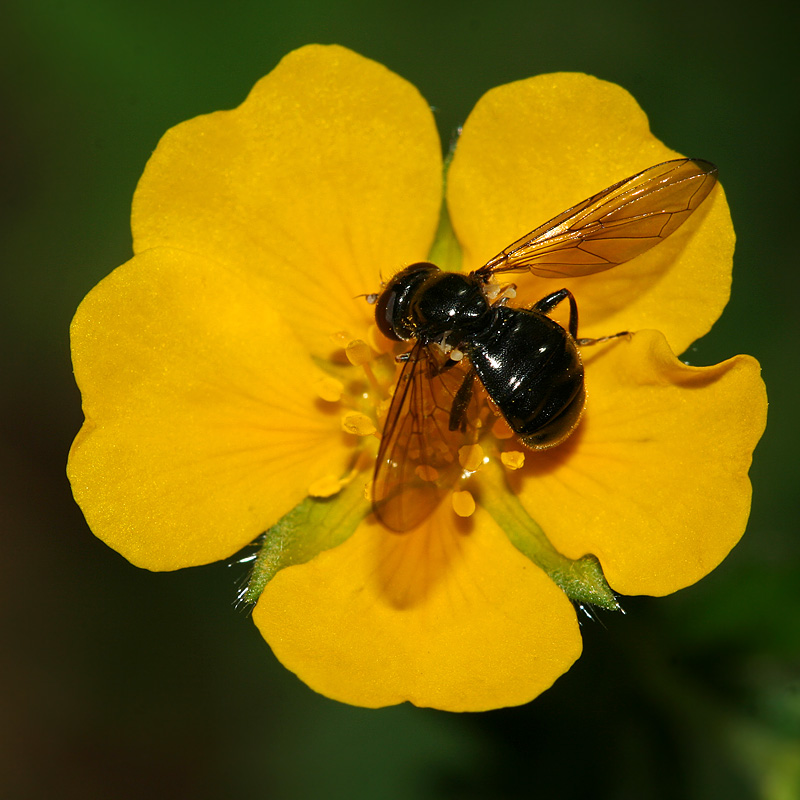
(201, 425)
(534, 148)
(326, 177)
(452, 618)
(654, 481)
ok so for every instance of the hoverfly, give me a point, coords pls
(529, 366)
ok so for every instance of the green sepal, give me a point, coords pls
(314, 525)
(446, 251)
(582, 579)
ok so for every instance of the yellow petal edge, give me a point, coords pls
(202, 426)
(452, 617)
(655, 481)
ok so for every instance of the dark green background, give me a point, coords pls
(119, 683)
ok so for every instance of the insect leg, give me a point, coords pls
(547, 304)
(584, 342)
(458, 410)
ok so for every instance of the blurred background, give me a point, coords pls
(119, 683)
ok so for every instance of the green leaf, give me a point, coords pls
(582, 579)
(316, 524)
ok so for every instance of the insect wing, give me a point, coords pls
(418, 457)
(613, 226)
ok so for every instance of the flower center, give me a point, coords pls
(364, 393)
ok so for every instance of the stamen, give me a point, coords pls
(512, 459)
(358, 424)
(463, 503)
(329, 389)
(329, 485)
(359, 354)
(326, 486)
(470, 457)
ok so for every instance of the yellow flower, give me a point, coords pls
(233, 382)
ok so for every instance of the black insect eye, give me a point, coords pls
(384, 312)
(392, 308)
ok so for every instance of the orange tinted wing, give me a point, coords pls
(418, 456)
(613, 226)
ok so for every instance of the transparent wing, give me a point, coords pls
(418, 456)
(613, 226)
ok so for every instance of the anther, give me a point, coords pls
(328, 389)
(470, 457)
(326, 486)
(512, 459)
(357, 423)
(463, 503)
(359, 354)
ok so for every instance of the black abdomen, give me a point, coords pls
(532, 370)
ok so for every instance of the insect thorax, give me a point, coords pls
(448, 304)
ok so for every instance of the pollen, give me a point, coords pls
(463, 504)
(493, 288)
(470, 457)
(358, 424)
(358, 352)
(512, 459)
(328, 389)
(326, 486)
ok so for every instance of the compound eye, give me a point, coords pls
(384, 312)
(391, 309)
